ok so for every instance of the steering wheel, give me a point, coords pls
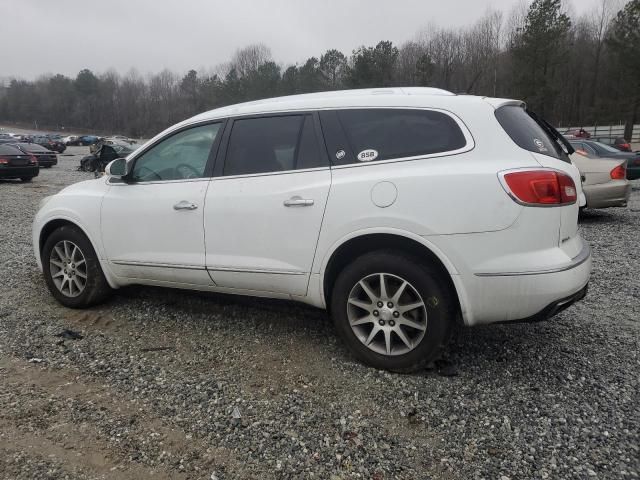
(187, 171)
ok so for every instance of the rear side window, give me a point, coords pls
(384, 134)
(272, 144)
(527, 133)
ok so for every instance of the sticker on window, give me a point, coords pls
(540, 145)
(368, 155)
(340, 154)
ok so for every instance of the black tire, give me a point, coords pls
(96, 289)
(26, 179)
(427, 281)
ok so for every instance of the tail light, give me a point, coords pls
(33, 160)
(4, 161)
(540, 187)
(619, 173)
(625, 146)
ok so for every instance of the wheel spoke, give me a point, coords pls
(360, 304)
(73, 253)
(399, 292)
(64, 282)
(59, 274)
(383, 287)
(56, 263)
(77, 283)
(79, 262)
(398, 331)
(372, 296)
(374, 332)
(81, 275)
(409, 307)
(65, 245)
(412, 324)
(363, 321)
(387, 341)
(59, 253)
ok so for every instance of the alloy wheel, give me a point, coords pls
(387, 314)
(68, 268)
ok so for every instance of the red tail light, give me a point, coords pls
(33, 160)
(4, 161)
(619, 173)
(540, 187)
(625, 146)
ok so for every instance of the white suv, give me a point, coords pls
(401, 211)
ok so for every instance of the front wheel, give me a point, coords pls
(72, 270)
(393, 312)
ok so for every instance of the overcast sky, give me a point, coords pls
(64, 36)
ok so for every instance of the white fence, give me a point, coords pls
(607, 131)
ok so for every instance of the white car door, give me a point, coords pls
(265, 204)
(152, 224)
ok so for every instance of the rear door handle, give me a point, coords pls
(298, 202)
(185, 205)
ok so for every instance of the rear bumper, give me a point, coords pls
(499, 297)
(611, 194)
(553, 308)
(47, 163)
(18, 172)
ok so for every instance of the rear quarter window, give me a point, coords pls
(527, 133)
(383, 134)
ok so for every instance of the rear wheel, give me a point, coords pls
(392, 311)
(72, 270)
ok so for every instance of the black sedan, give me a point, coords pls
(46, 158)
(600, 150)
(14, 163)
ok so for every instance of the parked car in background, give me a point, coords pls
(361, 202)
(97, 161)
(618, 143)
(48, 142)
(87, 140)
(14, 163)
(577, 133)
(600, 150)
(46, 158)
(604, 181)
(71, 140)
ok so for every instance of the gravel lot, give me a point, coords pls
(171, 384)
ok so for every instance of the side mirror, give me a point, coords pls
(117, 168)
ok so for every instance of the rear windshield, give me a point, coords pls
(9, 150)
(528, 132)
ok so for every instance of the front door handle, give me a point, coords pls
(298, 202)
(185, 205)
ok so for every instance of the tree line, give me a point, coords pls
(573, 71)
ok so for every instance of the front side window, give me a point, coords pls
(181, 156)
(383, 134)
(272, 144)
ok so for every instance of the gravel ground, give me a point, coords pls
(175, 384)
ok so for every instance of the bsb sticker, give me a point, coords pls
(368, 155)
(540, 145)
(340, 154)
